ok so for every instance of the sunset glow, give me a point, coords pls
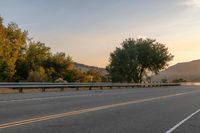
(89, 30)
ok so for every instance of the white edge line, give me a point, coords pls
(60, 97)
(45, 98)
(182, 122)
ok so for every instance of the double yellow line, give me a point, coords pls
(66, 114)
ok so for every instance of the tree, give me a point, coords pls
(76, 75)
(136, 58)
(12, 41)
(58, 65)
(22, 69)
(22, 59)
(95, 75)
(33, 58)
(36, 54)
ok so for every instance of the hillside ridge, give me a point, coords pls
(189, 71)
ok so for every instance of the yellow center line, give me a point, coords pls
(66, 114)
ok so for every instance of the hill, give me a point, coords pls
(86, 68)
(189, 71)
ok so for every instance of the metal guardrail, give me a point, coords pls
(47, 85)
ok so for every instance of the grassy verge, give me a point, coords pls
(8, 91)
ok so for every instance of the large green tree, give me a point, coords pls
(58, 65)
(38, 56)
(137, 57)
(12, 41)
(33, 58)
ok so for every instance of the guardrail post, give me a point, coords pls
(20, 90)
(77, 88)
(61, 89)
(110, 87)
(90, 88)
(43, 89)
(101, 88)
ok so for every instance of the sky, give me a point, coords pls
(89, 30)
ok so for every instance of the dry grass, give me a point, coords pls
(8, 91)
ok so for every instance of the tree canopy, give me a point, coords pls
(137, 57)
(12, 41)
(22, 59)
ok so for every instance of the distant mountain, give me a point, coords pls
(189, 71)
(86, 68)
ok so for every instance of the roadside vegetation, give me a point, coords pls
(136, 59)
(23, 59)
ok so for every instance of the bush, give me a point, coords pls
(37, 76)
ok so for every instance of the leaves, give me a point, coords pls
(38, 75)
(136, 58)
(12, 40)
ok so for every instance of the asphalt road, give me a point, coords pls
(138, 110)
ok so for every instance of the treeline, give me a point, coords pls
(22, 59)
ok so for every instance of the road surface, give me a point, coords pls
(134, 110)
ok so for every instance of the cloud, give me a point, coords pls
(192, 3)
